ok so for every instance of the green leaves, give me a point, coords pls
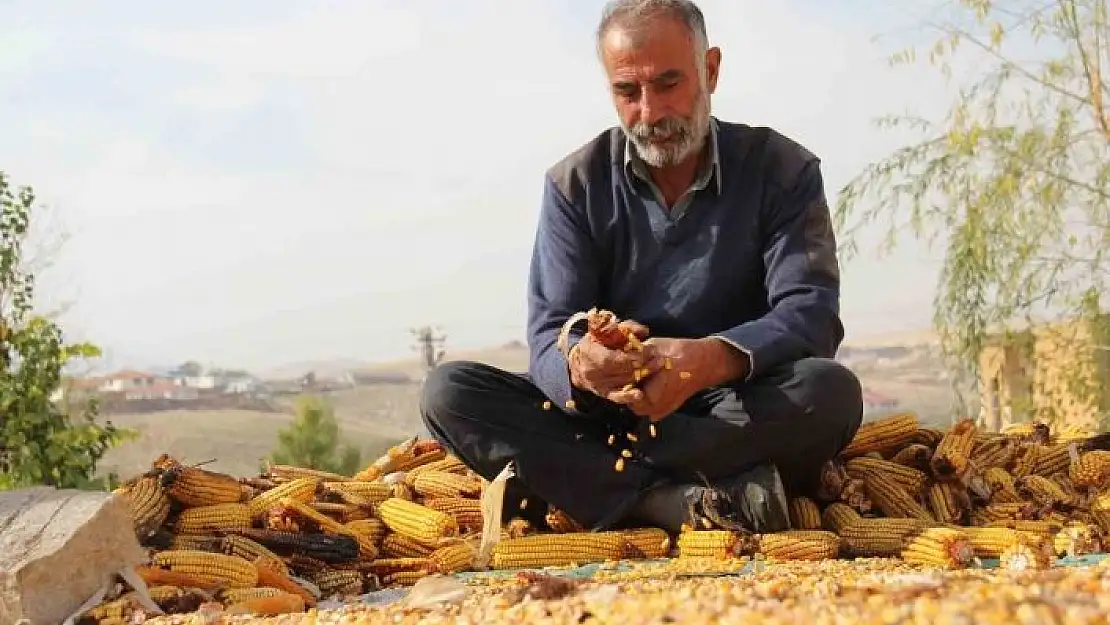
(1014, 183)
(312, 440)
(39, 443)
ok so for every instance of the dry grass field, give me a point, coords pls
(374, 416)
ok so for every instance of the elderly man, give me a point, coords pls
(713, 240)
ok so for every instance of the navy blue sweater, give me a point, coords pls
(752, 262)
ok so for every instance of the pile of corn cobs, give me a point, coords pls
(281, 542)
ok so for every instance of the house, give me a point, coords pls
(161, 389)
(1056, 373)
(206, 382)
(125, 380)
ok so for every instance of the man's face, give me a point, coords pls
(661, 99)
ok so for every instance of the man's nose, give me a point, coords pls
(650, 110)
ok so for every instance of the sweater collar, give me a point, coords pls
(634, 166)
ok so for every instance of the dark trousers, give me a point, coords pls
(798, 417)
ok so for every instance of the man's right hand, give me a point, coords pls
(602, 371)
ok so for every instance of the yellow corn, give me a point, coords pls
(337, 583)
(940, 547)
(372, 529)
(911, 480)
(217, 568)
(371, 492)
(997, 451)
(892, 499)
(404, 578)
(804, 514)
(648, 542)
(885, 538)
(193, 486)
(949, 502)
(1028, 553)
(800, 545)
(892, 432)
(541, 550)
(453, 558)
(400, 546)
(1052, 459)
(709, 544)
(432, 484)
(1025, 460)
(1091, 468)
(929, 437)
(1002, 486)
(420, 523)
(914, 455)
(213, 519)
(237, 595)
(1043, 491)
(838, 515)
(149, 504)
(302, 489)
(1077, 539)
(952, 456)
(991, 542)
(250, 551)
(448, 464)
(466, 512)
(193, 542)
(286, 473)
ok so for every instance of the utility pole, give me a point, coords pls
(429, 342)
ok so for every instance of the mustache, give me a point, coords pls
(672, 127)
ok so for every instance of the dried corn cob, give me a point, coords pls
(419, 460)
(1077, 539)
(929, 437)
(302, 489)
(342, 583)
(799, 545)
(250, 550)
(449, 464)
(281, 603)
(286, 473)
(1027, 553)
(879, 537)
(892, 499)
(433, 484)
(804, 514)
(402, 491)
(374, 529)
(911, 480)
(387, 462)
(953, 454)
(887, 433)
(837, 516)
(1039, 528)
(150, 505)
(232, 571)
(557, 549)
(560, 522)
(235, 595)
(994, 452)
(1091, 468)
(403, 578)
(1002, 486)
(388, 566)
(991, 542)
(373, 492)
(270, 577)
(949, 503)
(453, 558)
(709, 544)
(193, 542)
(1025, 460)
(213, 519)
(915, 455)
(116, 609)
(466, 512)
(1043, 491)
(400, 546)
(367, 548)
(154, 576)
(648, 542)
(196, 487)
(324, 547)
(419, 523)
(341, 512)
(1052, 459)
(940, 547)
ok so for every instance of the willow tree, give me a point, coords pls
(1014, 181)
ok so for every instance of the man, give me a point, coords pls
(712, 240)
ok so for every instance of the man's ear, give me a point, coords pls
(712, 67)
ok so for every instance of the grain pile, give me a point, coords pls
(280, 542)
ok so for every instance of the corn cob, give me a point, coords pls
(1039, 528)
(403, 578)
(804, 514)
(388, 566)
(994, 452)
(709, 544)
(560, 522)
(800, 545)
(420, 523)
(557, 549)
(286, 473)
(149, 504)
(160, 594)
(324, 547)
(1025, 460)
(213, 519)
(373, 492)
(281, 603)
(196, 487)
(387, 462)
(270, 577)
(432, 484)
(154, 576)
(887, 433)
(949, 503)
(453, 558)
(341, 512)
(1002, 512)
(519, 527)
(116, 609)
(892, 499)
(911, 480)
(1091, 468)
(250, 551)
(647, 542)
(302, 489)
(1052, 459)
(232, 571)
(420, 460)
(940, 547)
(236, 595)
(929, 437)
(1019, 430)
(953, 454)
(367, 548)
(879, 537)
(914, 455)
(837, 516)
(855, 495)
(1100, 511)
(1027, 553)
(466, 512)
(400, 546)
(193, 542)
(1077, 539)
(373, 529)
(1002, 486)
(1043, 491)
(341, 583)
(991, 542)
(449, 464)
(400, 490)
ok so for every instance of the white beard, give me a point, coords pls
(676, 139)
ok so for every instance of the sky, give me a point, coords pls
(262, 182)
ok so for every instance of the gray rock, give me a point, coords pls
(59, 547)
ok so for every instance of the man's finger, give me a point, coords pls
(638, 329)
(626, 397)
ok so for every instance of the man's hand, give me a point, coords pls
(685, 366)
(603, 371)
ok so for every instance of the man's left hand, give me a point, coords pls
(694, 365)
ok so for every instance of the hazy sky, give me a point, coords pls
(256, 182)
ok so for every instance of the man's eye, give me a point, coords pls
(626, 91)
